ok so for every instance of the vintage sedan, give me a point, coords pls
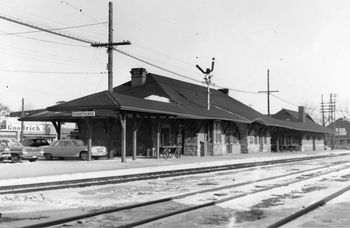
(19, 152)
(72, 148)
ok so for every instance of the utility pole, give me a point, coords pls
(268, 92)
(110, 48)
(330, 109)
(22, 123)
(207, 78)
(322, 111)
(110, 45)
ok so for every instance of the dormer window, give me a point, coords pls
(158, 98)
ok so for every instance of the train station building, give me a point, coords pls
(150, 112)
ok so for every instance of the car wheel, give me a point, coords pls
(33, 160)
(84, 155)
(15, 158)
(48, 156)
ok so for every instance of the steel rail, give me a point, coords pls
(13, 189)
(215, 202)
(166, 199)
(309, 208)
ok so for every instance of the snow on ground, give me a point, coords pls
(112, 195)
(270, 206)
(17, 205)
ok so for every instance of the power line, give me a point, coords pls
(50, 41)
(129, 55)
(8, 49)
(46, 30)
(156, 66)
(77, 9)
(54, 29)
(122, 52)
(51, 72)
(281, 99)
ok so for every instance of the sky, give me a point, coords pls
(304, 44)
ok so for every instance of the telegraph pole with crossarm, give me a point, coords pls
(110, 45)
(268, 92)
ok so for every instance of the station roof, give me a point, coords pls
(167, 96)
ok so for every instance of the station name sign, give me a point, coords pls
(83, 113)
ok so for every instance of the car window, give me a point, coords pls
(26, 142)
(79, 142)
(60, 143)
(69, 144)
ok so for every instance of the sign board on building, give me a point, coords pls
(9, 134)
(83, 113)
(10, 127)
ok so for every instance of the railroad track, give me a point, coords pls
(146, 176)
(199, 206)
(309, 208)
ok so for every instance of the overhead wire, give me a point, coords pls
(135, 57)
(155, 65)
(51, 72)
(23, 52)
(53, 29)
(17, 21)
(281, 99)
(78, 9)
(49, 41)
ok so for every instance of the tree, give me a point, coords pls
(313, 111)
(4, 110)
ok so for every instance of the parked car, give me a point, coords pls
(72, 148)
(4, 153)
(35, 142)
(19, 152)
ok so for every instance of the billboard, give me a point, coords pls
(11, 124)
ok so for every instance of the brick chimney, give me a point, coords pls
(301, 110)
(224, 90)
(138, 76)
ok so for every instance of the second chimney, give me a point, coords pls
(138, 76)
(301, 110)
(224, 90)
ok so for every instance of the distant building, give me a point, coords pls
(341, 139)
(308, 141)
